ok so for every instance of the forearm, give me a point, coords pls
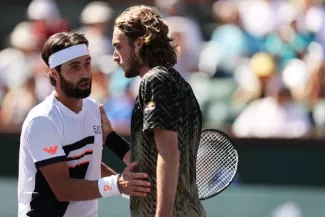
(78, 190)
(167, 177)
(106, 170)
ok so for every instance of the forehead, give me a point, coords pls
(118, 36)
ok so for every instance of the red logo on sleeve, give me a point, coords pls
(51, 150)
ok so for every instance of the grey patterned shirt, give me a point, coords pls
(166, 101)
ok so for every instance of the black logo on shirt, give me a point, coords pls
(97, 129)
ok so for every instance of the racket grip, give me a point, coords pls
(126, 196)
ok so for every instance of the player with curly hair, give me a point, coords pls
(166, 121)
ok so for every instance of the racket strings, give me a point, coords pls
(216, 163)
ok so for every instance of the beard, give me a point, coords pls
(134, 67)
(73, 91)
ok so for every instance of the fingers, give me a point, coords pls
(137, 175)
(102, 112)
(133, 185)
(138, 194)
(141, 189)
(141, 183)
(101, 109)
(131, 166)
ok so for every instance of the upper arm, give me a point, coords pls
(161, 103)
(166, 141)
(55, 174)
(161, 111)
(42, 142)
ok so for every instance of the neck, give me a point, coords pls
(144, 70)
(74, 105)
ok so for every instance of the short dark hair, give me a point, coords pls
(60, 41)
(146, 22)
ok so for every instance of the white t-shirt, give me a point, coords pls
(53, 133)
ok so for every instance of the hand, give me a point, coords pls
(106, 124)
(131, 183)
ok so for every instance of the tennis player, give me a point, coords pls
(60, 161)
(166, 121)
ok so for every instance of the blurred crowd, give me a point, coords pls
(260, 73)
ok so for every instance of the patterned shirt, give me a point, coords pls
(166, 101)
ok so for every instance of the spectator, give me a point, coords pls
(228, 43)
(187, 31)
(275, 115)
(96, 19)
(18, 102)
(46, 19)
(17, 61)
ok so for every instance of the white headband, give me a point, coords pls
(67, 54)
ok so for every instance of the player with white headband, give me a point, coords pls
(60, 161)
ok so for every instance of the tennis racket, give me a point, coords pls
(217, 162)
(216, 166)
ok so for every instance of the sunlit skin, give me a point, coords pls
(73, 83)
(127, 55)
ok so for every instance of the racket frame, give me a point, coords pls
(237, 163)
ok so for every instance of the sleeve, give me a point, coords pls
(42, 141)
(161, 104)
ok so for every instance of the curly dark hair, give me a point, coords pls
(145, 22)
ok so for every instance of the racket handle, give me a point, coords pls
(126, 196)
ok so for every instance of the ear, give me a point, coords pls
(54, 74)
(138, 43)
